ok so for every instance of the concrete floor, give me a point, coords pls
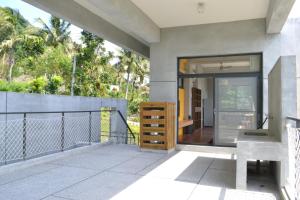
(123, 172)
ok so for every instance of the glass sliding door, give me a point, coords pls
(235, 107)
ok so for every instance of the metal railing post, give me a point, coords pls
(24, 135)
(110, 120)
(90, 128)
(62, 139)
(297, 124)
(128, 127)
(59, 126)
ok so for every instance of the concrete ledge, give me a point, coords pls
(158, 151)
(206, 149)
(49, 158)
(277, 15)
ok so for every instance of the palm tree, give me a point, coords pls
(133, 65)
(10, 20)
(18, 31)
(127, 62)
(141, 71)
(57, 32)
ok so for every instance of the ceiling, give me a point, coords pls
(173, 13)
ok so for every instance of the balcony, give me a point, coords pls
(91, 154)
(124, 172)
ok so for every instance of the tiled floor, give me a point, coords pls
(123, 172)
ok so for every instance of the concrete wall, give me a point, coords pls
(282, 90)
(44, 130)
(19, 102)
(218, 39)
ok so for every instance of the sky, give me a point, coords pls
(31, 14)
(295, 13)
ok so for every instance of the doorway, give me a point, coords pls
(217, 98)
(196, 111)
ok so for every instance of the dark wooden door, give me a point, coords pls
(196, 107)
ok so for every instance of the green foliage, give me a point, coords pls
(41, 60)
(135, 68)
(137, 96)
(18, 39)
(53, 61)
(135, 129)
(10, 20)
(31, 46)
(94, 74)
(57, 33)
(38, 85)
(13, 86)
(54, 83)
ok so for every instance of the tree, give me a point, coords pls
(54, 83)
(140, 72)
(40, 59)
(10, 20)
(38, 85)
(56, 33)
(133, 66)
(94, 70)
(54, 61)
(21, 34)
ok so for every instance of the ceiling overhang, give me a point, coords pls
(76, 14)
(135, 24)
(278, 14)
(126, 16)
(175, 13)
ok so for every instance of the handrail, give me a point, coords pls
(263, 123)
(123, 119)
(293, 118)
(27, 128)
(54, 112)
(77, 111)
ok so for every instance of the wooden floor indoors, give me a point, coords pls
(202, 136)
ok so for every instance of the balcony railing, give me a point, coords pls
(293, 187)
(26, 135)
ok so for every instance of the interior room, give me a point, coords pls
(218, 97)
(196, 98)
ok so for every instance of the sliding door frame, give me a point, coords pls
(259, 76)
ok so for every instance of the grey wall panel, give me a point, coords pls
(44, 131)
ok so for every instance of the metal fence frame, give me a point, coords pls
(294, 143)
(60, 123)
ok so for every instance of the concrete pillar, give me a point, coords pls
(241, 173)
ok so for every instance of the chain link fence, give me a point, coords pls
(297, 163)
(28, 135)
(294, 163)
(118, 131)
